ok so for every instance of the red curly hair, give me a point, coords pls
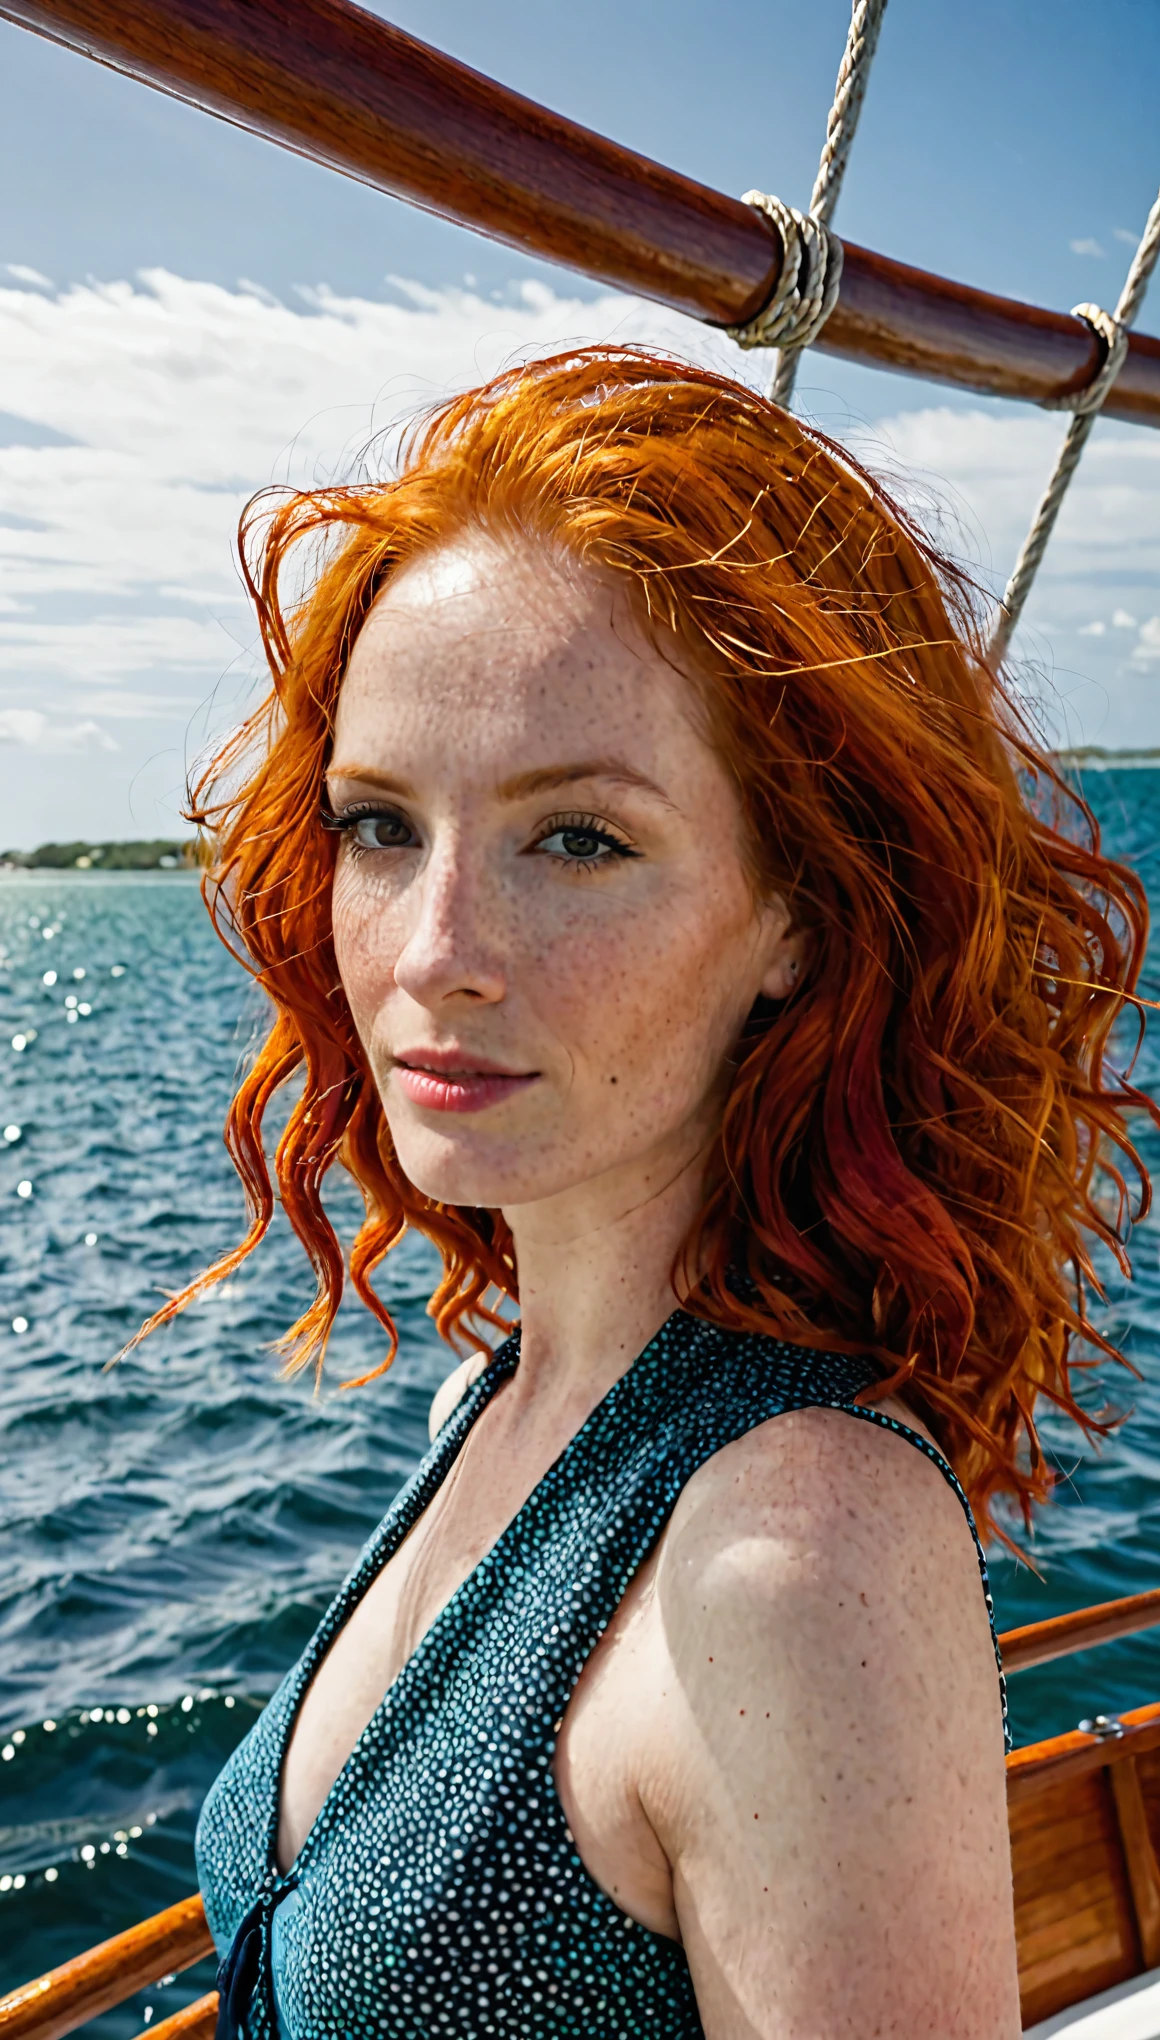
(922, 1144)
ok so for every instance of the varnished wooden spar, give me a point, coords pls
(197, 2022)
(92, 1983)
(334, 83)
(1039, 1643)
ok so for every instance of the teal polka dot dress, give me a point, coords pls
(439, 1891)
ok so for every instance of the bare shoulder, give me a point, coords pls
(831, 1787)
(818, 1496)
(842, 1552)
(450, 1393)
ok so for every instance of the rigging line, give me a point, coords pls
(849, 92)
(1111, 328)
(811, 270)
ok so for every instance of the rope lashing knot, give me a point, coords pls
(807, 288)
(1112, 335)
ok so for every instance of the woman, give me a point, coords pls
(658, 899)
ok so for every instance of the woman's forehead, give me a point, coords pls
(517, 590)
(505, 645)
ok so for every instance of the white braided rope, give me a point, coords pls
(797, 312)
(1113, 337)
(849, 92)
(1111, 328)
(811, 270)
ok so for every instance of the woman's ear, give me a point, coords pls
(786, 960)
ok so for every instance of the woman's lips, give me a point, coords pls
(438, 1085)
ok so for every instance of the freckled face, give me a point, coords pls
(542, 919)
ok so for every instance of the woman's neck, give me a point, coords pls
(596, 1276)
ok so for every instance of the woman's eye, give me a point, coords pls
(372, 828)
(582, 842)
(382, 832)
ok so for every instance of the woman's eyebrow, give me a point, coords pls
(369, 775)
(614, 770)
(523, 785)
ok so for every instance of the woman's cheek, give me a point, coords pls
(681, 1009)
(365, 946)
(618, 1000)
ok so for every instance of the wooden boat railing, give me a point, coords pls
(1085, 1828)
(105, 1976)
(330, 81)
(1040, 1643)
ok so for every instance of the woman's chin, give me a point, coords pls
(454, 1168)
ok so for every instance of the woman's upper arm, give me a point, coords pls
(833, 1802)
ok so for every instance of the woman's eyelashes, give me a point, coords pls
(582, 842)
(577, 841)
(368, 826)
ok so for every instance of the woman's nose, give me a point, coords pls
(452, 948)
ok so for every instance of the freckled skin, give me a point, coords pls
(786, 1750)
(634, 976)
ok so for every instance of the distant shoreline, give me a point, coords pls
(150, 854)
(1094, 758)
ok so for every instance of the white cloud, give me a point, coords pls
(170, 401)
(988, 468)
(1146, 650)
(115, 646)
(24, 274)
(1126, 234)
(1095, 629)
(1086, 246)
(31, 728)
(180, 399)
(1122, 619)
(992, 466)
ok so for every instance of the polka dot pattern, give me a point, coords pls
(439, 1891)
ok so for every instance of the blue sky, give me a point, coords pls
(187, 313)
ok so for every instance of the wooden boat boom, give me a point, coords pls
(334, 83)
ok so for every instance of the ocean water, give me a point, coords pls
(172, 1529)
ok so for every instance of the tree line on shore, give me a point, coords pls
(156, 854)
